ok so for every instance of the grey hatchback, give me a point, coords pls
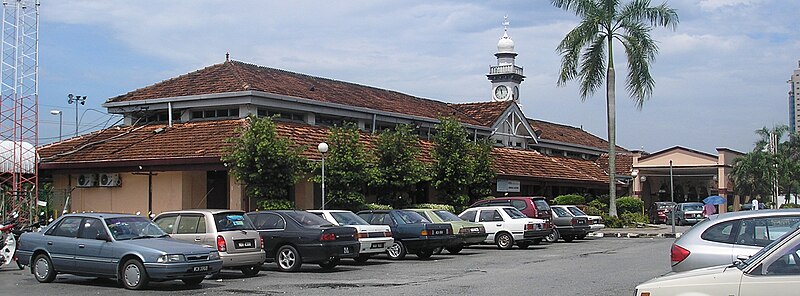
(720, 239)
(127, 247)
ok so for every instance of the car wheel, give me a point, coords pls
(455, 249)
(504, 241)
(537, 241)
(288, 259)
(134, 276)
(438, 250)
(553, 236)
(522, 245)
(425, 254)
(361, 258)
(330, 264)
(568, 238)
(43, 269)
(193, 281)
(251, 270)
(397, 251)
(582, 236)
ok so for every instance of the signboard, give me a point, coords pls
(507, 185)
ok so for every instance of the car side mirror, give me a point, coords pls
(103, 236)
(742, 258)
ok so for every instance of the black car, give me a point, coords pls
(292, 238)
(412, 232)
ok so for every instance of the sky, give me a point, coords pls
(720, 75)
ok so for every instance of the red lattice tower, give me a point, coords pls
(19, 95)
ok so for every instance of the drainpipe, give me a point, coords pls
(169, 110)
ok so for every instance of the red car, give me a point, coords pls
(660, 210)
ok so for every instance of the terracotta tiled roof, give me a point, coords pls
(486, 113)
(569, 134)
(234, 76)
(624, 163)
(530, 163)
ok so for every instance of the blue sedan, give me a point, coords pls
(129, 248)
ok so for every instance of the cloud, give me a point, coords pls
(716, 4)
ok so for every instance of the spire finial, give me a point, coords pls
(227, 56)
(505, 23)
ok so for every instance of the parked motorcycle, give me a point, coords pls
(8, 249)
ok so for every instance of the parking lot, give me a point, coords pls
(596, 266)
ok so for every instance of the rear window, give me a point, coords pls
(232, 221)
(468, 216)
(576, 211)
(348, 218)
(514, 213)
(447, 216)
(721, 233)
(693, 207)
(561, 212)
(411, 217)
(541, 205)
(307, 219)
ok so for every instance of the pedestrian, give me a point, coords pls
(755, 204)
(709, 209)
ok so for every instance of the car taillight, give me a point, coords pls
(387, 234)
(221, 246)
(574, 221)
(463, 230)
(262, 242)
(529, 226)
(361, 235)
(326, 237)
(424, 233)
(687, 215)
(678, 254)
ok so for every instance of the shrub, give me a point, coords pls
(599, 205)
(612, 222)
(590, 210)
(569, 199)
(275, 204)
(448, 208)
(629, 204)
(374, 206)
(790, 206)
(632, 219)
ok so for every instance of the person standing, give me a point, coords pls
(709, 209)
(755, 204)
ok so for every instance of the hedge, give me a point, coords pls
(448, 208)
(569, 199)
(275, 204)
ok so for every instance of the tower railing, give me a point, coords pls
(505, 69)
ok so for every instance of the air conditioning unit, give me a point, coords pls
(109, 180)
(87, 180)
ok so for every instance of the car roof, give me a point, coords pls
(328, 211)
(491, 207)
(210, 211)
(102, 215)
(753, 214)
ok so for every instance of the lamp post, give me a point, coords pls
(60, 117)
(671, 197)
(76, 100)
(323, 148)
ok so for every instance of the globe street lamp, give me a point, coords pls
(323, 148)
(58, 112)
(76, 100)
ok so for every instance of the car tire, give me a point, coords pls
(504, 241)
(553, 236)
(193, 281)
(523, 245)
(251, 270)
(288, 259)
(455, 249)
(330, 264)
(568, 238)
(438, 250)
(582, 236)
(397, 251)
(537, 241)
(133, 275)
(361, 258)
(43, 269)
(425, 253)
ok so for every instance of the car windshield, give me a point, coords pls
(447, 216)
(541, 204)
(124, 228)
(514, 213)
(348, 218)
(662, 206)
(232, 221)
(561, 212)
(767, 249)
(308, 219)
(411, 217)
(576, 211)
(693, 207)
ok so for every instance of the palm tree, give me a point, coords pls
(751, 174)
(583, 56)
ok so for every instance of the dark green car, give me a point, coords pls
(467, 233)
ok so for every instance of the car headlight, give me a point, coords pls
(170, 258)
(213, 255)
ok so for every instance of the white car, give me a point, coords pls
(595, 222)
(774, 270)
(375, 239)
(507, 226)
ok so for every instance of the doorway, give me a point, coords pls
(217, 190)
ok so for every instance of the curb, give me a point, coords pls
(636, 235)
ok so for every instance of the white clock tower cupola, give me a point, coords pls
(505, 76)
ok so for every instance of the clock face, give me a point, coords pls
(501, 92)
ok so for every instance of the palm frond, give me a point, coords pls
(640, 50)
(581, 8)
(593, 67)
(641, 11)
(570, 49)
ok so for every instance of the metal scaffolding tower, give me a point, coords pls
(19, 95)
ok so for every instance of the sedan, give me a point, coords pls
(774, 270)
(292, 238)
(507, 226)
(467, 233)
(129, 248)
(686, 213)
(374, 239)
(720, 239)
(412, 232)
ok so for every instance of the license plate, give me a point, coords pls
(346, 250)
(438, 232)
(377, 246)
(244, 244)
(697, 215)
(200, 268)
(476, 229)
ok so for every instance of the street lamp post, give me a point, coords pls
(323, 148)
(60, 117)
(671, 196)
(76, 100)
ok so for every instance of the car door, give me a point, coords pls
(492, 221)
(271, 227)
(62, 242)
(779, 275)
(93, 255)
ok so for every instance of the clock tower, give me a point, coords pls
(505, 76)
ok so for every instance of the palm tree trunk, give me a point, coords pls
(612, 131)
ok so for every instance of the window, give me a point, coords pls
(410, 217)
(514, 213)
(215, 113)
(68, 227)
(381, 219)
(446, 216)
(468, 216)
(190, 224)
(282, 115)
(721, 233)
(561, 212)
(167, 223)
(348, 218)
(268, 221)
(787, 264)
(490, 216)
(519, 204)
(162, 117)
(762, 231)
(232, 221)
(92, 228)
(307, 219)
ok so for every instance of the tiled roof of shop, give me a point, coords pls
(569, 134)
(530, 163)
(235, 76)
(486, 113)
(624, 163)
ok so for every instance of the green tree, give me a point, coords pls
(398, 168)
(349, 168)
(265, 162)
(482, 177)
(584, 49)
(451, 166)
(751, 174)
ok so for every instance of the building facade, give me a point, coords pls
(794, 99)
